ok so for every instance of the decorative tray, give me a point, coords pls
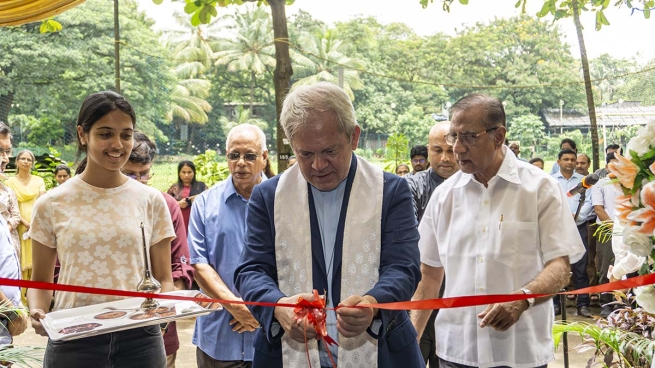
(121, 315)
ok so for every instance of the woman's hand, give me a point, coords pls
(36, 315)
(183, 204)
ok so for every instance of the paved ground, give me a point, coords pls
(186, 357)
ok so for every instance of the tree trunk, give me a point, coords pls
(5, 106)
(281, 75)
(587, 85)
(252, 93)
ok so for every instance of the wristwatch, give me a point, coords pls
(529, 300)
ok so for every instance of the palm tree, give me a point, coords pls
(192, 54)
(251, 49)
(323, 55)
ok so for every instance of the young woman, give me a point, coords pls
(28, 188)
(186, 189)
(92, 225)
(62, 173)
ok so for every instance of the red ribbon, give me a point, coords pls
(428, 304)
(314, 312)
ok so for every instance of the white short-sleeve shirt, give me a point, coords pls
(495, 240)
(97, 235)
(604, 193)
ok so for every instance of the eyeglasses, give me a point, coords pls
(236, 156)
(144, 177)
(6, 152)
(418, 161)
(466, 138)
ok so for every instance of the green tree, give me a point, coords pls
(604, 71)
(529, 130)
(640, 87)
(324, 55)
(52, 73)
(397, 149)
(251, 50)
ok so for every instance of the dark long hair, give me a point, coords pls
(179, 168)
(94, 107)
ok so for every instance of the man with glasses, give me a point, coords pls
(12, 323)
(139, 167)
(339, 225)
(419, 158)
(217, 233)
(499, 226)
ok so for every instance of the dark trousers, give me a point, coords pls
(579, 269)
(447, 364)
(205, 361)
(141, 347)
(605, 259)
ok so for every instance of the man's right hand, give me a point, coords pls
(37, 315)
(297, 329)
(18, 325)
(243, 320)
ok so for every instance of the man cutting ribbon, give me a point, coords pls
(337, 223)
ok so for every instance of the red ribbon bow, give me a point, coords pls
(315, 311)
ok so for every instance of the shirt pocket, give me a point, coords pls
(515, 244)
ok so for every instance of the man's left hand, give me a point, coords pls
(352, 322)
(502, 316)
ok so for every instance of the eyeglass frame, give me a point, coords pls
(245, 159)
(419, 161)
(474, 136)
(139, 177)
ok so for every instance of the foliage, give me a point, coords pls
(628, 333)
(49, 175)
(528, 130)
(563, 8)
(202, 11)
(603, 69)
(24, 356)
(52, 73)
(397, 149)
(640, 87)
(208, 169)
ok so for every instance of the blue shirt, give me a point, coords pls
(9, 268)
(217, 230)
(328, 209)
(568, 184)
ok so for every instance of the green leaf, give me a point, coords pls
(647, 13)
(195, 19)
(560, 13)
(545, 9)
(464, 2)
(158, 2)
(518, 3)
(603, 19)
(191, 7)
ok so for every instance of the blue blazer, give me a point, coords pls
(256, 275)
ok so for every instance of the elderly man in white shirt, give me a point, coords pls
(499, 226)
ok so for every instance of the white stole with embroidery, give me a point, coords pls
(360, 256)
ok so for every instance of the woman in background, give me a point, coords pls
(402, 170)
(28, 188)
(186, 189)
(62, 173)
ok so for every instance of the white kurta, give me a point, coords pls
(495, 240)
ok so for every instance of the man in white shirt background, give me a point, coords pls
(568, 179)
(498, 226)
(603, 198)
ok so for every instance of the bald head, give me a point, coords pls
(442, 159)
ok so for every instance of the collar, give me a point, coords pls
(230, 190)
(435, 176)
(559, 175)
(508, 170)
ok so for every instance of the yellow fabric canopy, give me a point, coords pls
(17, 12)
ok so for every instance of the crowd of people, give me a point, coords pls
(469, 217)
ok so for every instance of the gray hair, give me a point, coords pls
(21, 153)
(494, 113)
(320, 97)
(4, 130)
(251, 127)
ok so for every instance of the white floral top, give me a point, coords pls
(97, 235)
